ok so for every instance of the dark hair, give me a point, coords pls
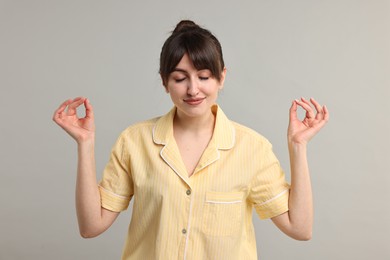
(202, 47)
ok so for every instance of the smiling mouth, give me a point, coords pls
(194, 101)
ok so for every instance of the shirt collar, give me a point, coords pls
(223, 135)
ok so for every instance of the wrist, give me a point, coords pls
(297, 146)
(86, 142)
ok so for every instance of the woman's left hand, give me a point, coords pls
(300, 132)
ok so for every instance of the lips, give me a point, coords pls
(194, 101)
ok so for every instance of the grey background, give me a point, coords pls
(275, 51)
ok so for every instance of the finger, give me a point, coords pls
(57, 114)
(73, 106)
(307, 107)
(320, 112)
(304, 100)
(88, 109)
(321, 123)
(326, 113)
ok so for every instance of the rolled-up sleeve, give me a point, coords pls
(269, 190)
(116, 187)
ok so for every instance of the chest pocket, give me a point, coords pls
(223, 213)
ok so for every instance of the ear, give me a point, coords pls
(223, 76)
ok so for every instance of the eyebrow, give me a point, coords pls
(179, 70)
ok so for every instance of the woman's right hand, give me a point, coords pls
(81, 129)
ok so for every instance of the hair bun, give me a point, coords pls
(185, 25)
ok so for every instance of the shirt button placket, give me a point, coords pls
(186, 227)
(184, 230)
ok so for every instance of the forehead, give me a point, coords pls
(186, 65)
(185, 62)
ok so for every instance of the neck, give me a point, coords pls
(194, 124)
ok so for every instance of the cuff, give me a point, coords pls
(273, 207)
(112, 201)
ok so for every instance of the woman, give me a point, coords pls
(195, 175)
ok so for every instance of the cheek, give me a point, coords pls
(174, 93)
(214, 90)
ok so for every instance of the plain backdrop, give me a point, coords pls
(275, 51)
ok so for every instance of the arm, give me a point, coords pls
(92, 218)
(298, 221)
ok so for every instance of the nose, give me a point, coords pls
(193, 87)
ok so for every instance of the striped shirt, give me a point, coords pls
(205, 216)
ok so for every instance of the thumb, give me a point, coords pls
(293, 111)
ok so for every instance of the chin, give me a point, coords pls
(196, 111)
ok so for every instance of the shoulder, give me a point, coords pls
(248, 135)
(142, 128)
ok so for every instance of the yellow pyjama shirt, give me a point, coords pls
(205, 216)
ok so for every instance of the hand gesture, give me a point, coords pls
(300, 132)
(81, 129)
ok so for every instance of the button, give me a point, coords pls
(184, 231)
(188, 192)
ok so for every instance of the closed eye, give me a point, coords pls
(203, 78)
(179, 80)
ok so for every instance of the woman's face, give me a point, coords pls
(193, 91)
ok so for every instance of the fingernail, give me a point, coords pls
(296, 100)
